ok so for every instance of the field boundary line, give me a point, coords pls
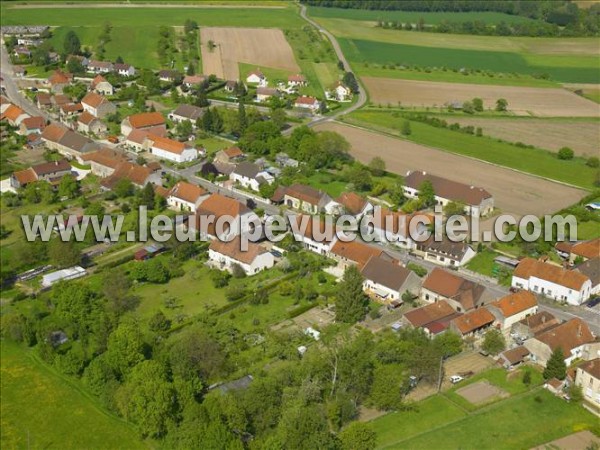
(384, 133)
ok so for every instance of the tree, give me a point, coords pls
(304, 427)
(477, 104)
(358, 436)
(556, 367)
(63, 254)
(427, 193)
(468, 107)
(146, 399)
(565, 153)
(68, 187)
(448, 344)
(493, 342)
(350, 80)
(243, 121)
(351, 301)
(396, 193)
(405, 130)
(119, 60)
(456, 208)
(377, 166)
(501, 105)
(575, 393)
(386, 390)
(527, 378)
(159, 323)
(184, 129)
(279, 117)
(191, 70)
(71, 43)
(125, 346)
(124, 188)
(360, 177)
(593, 161)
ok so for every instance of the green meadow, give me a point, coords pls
(42, 409)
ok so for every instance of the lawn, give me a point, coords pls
(574, 69)
(483, 263)
(588, 230)
(44, 410)
(529, 160)
(213, 144)
(327, 182)
(433, 18)
(519, 422)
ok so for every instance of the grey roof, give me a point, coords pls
(77, 142)
(445, 247)
(190, 112)
(247, 169)
(385, 272)
(240, 383)
(591, 269)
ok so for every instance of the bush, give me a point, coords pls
(593, 161)
(419, 270)
(219, 278)
(565, 153)
(234, 293)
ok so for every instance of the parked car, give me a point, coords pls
(593, 302)
(456, 379)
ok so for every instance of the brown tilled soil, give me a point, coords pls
(549, 102)
(514, 192)
(582, 137)
(265, 47)
(481, 392)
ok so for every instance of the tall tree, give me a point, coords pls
(243, 121)
(68, 187)
(71, 44)
(556, 367)
(358, 436)
(427, 193)
(493, 342)
(63, 254)
(351, 301)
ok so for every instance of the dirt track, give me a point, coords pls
(266, 47)
(582, 137)
(545, 102)
(514, 192)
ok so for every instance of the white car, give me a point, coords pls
(456, 379)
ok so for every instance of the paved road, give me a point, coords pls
(12, 91)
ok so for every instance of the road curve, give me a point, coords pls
(362, 94)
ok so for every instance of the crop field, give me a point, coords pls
(42, 410)
(581, 136)
(514, 192)
(259, 46)
(521, 100)
(414, 16)
(573, 69)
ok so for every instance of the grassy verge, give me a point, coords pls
(44, 410)
(529, 160)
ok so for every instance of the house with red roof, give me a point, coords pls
(186, 196)
(142, 121)
(32, 125)
(101, 86)
(305, 102)
(172, 150)
(98, 105)
(253, 259)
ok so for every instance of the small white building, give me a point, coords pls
(257, 77)
(310, 103)
(513, 308)
(552, 281)
(296, 81)
(250, 176)
(445, 252)
(252, 260)
(185, 196)
(125, 70)
(386, 280)
(340, 92)
(62, 275)
(313, 234)
(171, 150)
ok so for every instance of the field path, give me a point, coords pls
(138, 5)
(514, 192)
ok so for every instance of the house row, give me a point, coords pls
(99, 67)
(251, 176)
(67, 142)
(52, 172)
(578, 251)
(112, 166)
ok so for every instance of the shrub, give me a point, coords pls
(565, 153)
(593, 161)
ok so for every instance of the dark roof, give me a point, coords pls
(247, 169)
(76, 141)
(454, 250)
(240, 383)
(540, 322)
(305, 193)
(515, 355)
(52, 167)
(169, 74)
(591, 269)
(446, 284)
(449, 189)
(592, 367)
(190, 112)
(388, 273)
(435, 312)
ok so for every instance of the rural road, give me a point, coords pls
(362, 94)
(12, 91)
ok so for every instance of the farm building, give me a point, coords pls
(62, 275)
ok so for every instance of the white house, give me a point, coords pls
(478, 202)
(265, 93)
(250, 176)
(552, 281)
(394, 227)
(296, 81)
(513, 308)
(223, 218)
(386, 280)
(591, 269)
(307, 103)
(313, 234)
(100, 66)
(186, 112)
(306, 199)
(588, 378)
(257, 77)
(185, 196)
(252, 260)
(175, 151)
(340, 92)
(125, 70)
(445, 252)
(101, 86)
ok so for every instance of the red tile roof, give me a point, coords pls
(86, 118)
(473, 320)
(144, 120)
(451, 286)
(94, 100)
(515, 303)
(12, 113)
(303, 100)
(434, 312)
(166, 144)
(353, 202)
(234, 251)
(529, 267)
(54, 132)
(25, 176)
(567, 336)
(187, 191)
(355, 251)
(587, 249)
(34, 123)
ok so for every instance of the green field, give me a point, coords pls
(519, 422)
(414, 16)
(530, 160)
(575, 69)
(44, 410)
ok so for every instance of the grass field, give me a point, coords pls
(529, 160)
(574, 69)
(517, 423)
(43, 410)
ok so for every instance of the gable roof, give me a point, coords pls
(168, 145)
(105, 157)
(146, 119)
(386, 272)
(591, 269)
(194, 79)
(267, 91)
(100, 64)
(567, 336)
(515, 303)
(592, 367)
(60, 77)
(187, 191)
(219, 205)
(43, 98)
(25, 176)
(515, 355)
(247, 169)
(587, 249)
(134, 172)
(449, 189)
(298, 78)
(94, 100)
(316, 229)
(434, 312)
(51, 167)
(529, 267)
(54, 132)
(190, 112)
(234, 251)
(446, 284)
(121, 66)
(71, 107)
(473, 320)
(76, 141)
(86, 118)
(303, 100)
(539, 322)
(445, 247)
(305, 193)
(34, 123)
(353, 202)
(355, 251)
(97, 80)
(233, 152)
(256, 72)
(12, 113)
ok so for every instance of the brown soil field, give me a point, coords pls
(261, 46)
(582, 137)
(521, 100)
(514, 193)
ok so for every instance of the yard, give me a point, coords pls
(45, 410)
